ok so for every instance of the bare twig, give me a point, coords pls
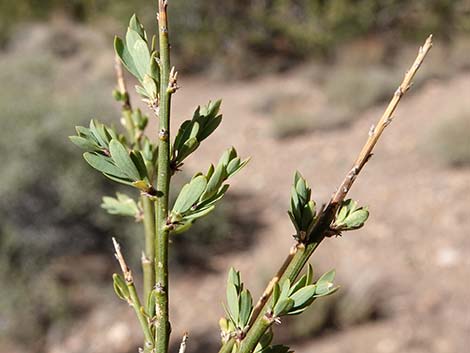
(184, 340)
(124, 268)
(376, 132)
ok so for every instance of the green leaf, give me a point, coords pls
(136, 26)
(140, 53)
(325, 284)
(190, 194)
(155, 67)
(151, 300)
(227, 156)
(122, 205)
(214, 182)
(232, 170)
(232, 302)
(302, 282)
(120, 287)
(138, 160)
(246, 306)
(285, 290)
(199, 214)
(188, 147)
(234, 278)
(357, 218)
(276, 293)
(125, 56)
(123, 161)
(99, 133)
(303, 296)
(85, 144)
(277, 349)
(302, 189)
(309, 274)
(104, 164)
(282, 307)
(150, 86)
(210, 127)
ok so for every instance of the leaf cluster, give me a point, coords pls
(293, 299)
(140, 60)
(302, 209)
(192, 132)
(239, 306)
(106, 152)
(350, 216)
(199, 197)
(122, 205)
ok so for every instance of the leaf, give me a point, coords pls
(136, 26)
(140, 53)
(85, 144)
(210, 127)
(120, 287)
(232, 302)
(308, 215)
(138, 161)
(246, 306)
(234, 277)
(155, 67)
(123, 161)
(276, 349)
(302, 189)
(234, 171)
(309, 274)
(276, 293)
(285, 290)
(214, 182)
(199, 214)
(151, 301)
(325, 283)
(190, 194)
(302, 282)
(282, 307)
(119, 180)
(357, 219)
(125, 57)
(150, 86)
(227, 156)
(104, 164)
(122, 205)
(303, 296)
(189, 146)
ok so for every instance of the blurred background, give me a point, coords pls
(302, 82)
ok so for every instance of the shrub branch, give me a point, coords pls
(148, 255)
(302, 251)
(134, 300)
(163, 184)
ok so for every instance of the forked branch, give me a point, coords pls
(301, 251)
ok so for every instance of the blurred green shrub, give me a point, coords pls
(240, 31)
(294, 114)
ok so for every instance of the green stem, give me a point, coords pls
(149, 340)
(163, 185)
(148, 266)
(292, 271)
(249, 343)
(227, 347)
